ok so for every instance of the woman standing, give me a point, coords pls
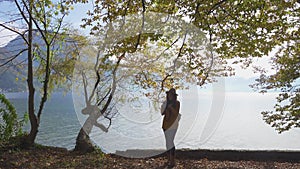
(170, 110)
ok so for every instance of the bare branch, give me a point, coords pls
(206, 74)
(108, 115)
(21, 11)
(59, 26)
(12, 65)
(142, 26)
(104, 97)
(235, 18)
(10, 52)
(36, 24)
(216, 5)
(114, 85)
(98, 76)
(14, 57)
(179, 53)
(10, 29)
(176, 40)
(17, 19)
(85, 89)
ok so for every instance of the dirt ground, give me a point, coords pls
(51, 157)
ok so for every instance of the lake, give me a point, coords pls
(210, 120)
(59, 124)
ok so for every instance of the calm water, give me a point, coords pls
(59, 124)
(238, 126)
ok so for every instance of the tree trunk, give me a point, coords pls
(83, 141)
(29, 140)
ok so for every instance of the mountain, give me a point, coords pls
(14, 74)
(6, 35)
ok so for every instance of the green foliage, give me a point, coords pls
(64, 53)
(240, 29)
(62, 42)
(236, 29)
(10, 126)
(286, 62)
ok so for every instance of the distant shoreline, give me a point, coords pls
(24, 94)
(15, 95)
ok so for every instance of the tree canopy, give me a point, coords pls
(236, 29)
